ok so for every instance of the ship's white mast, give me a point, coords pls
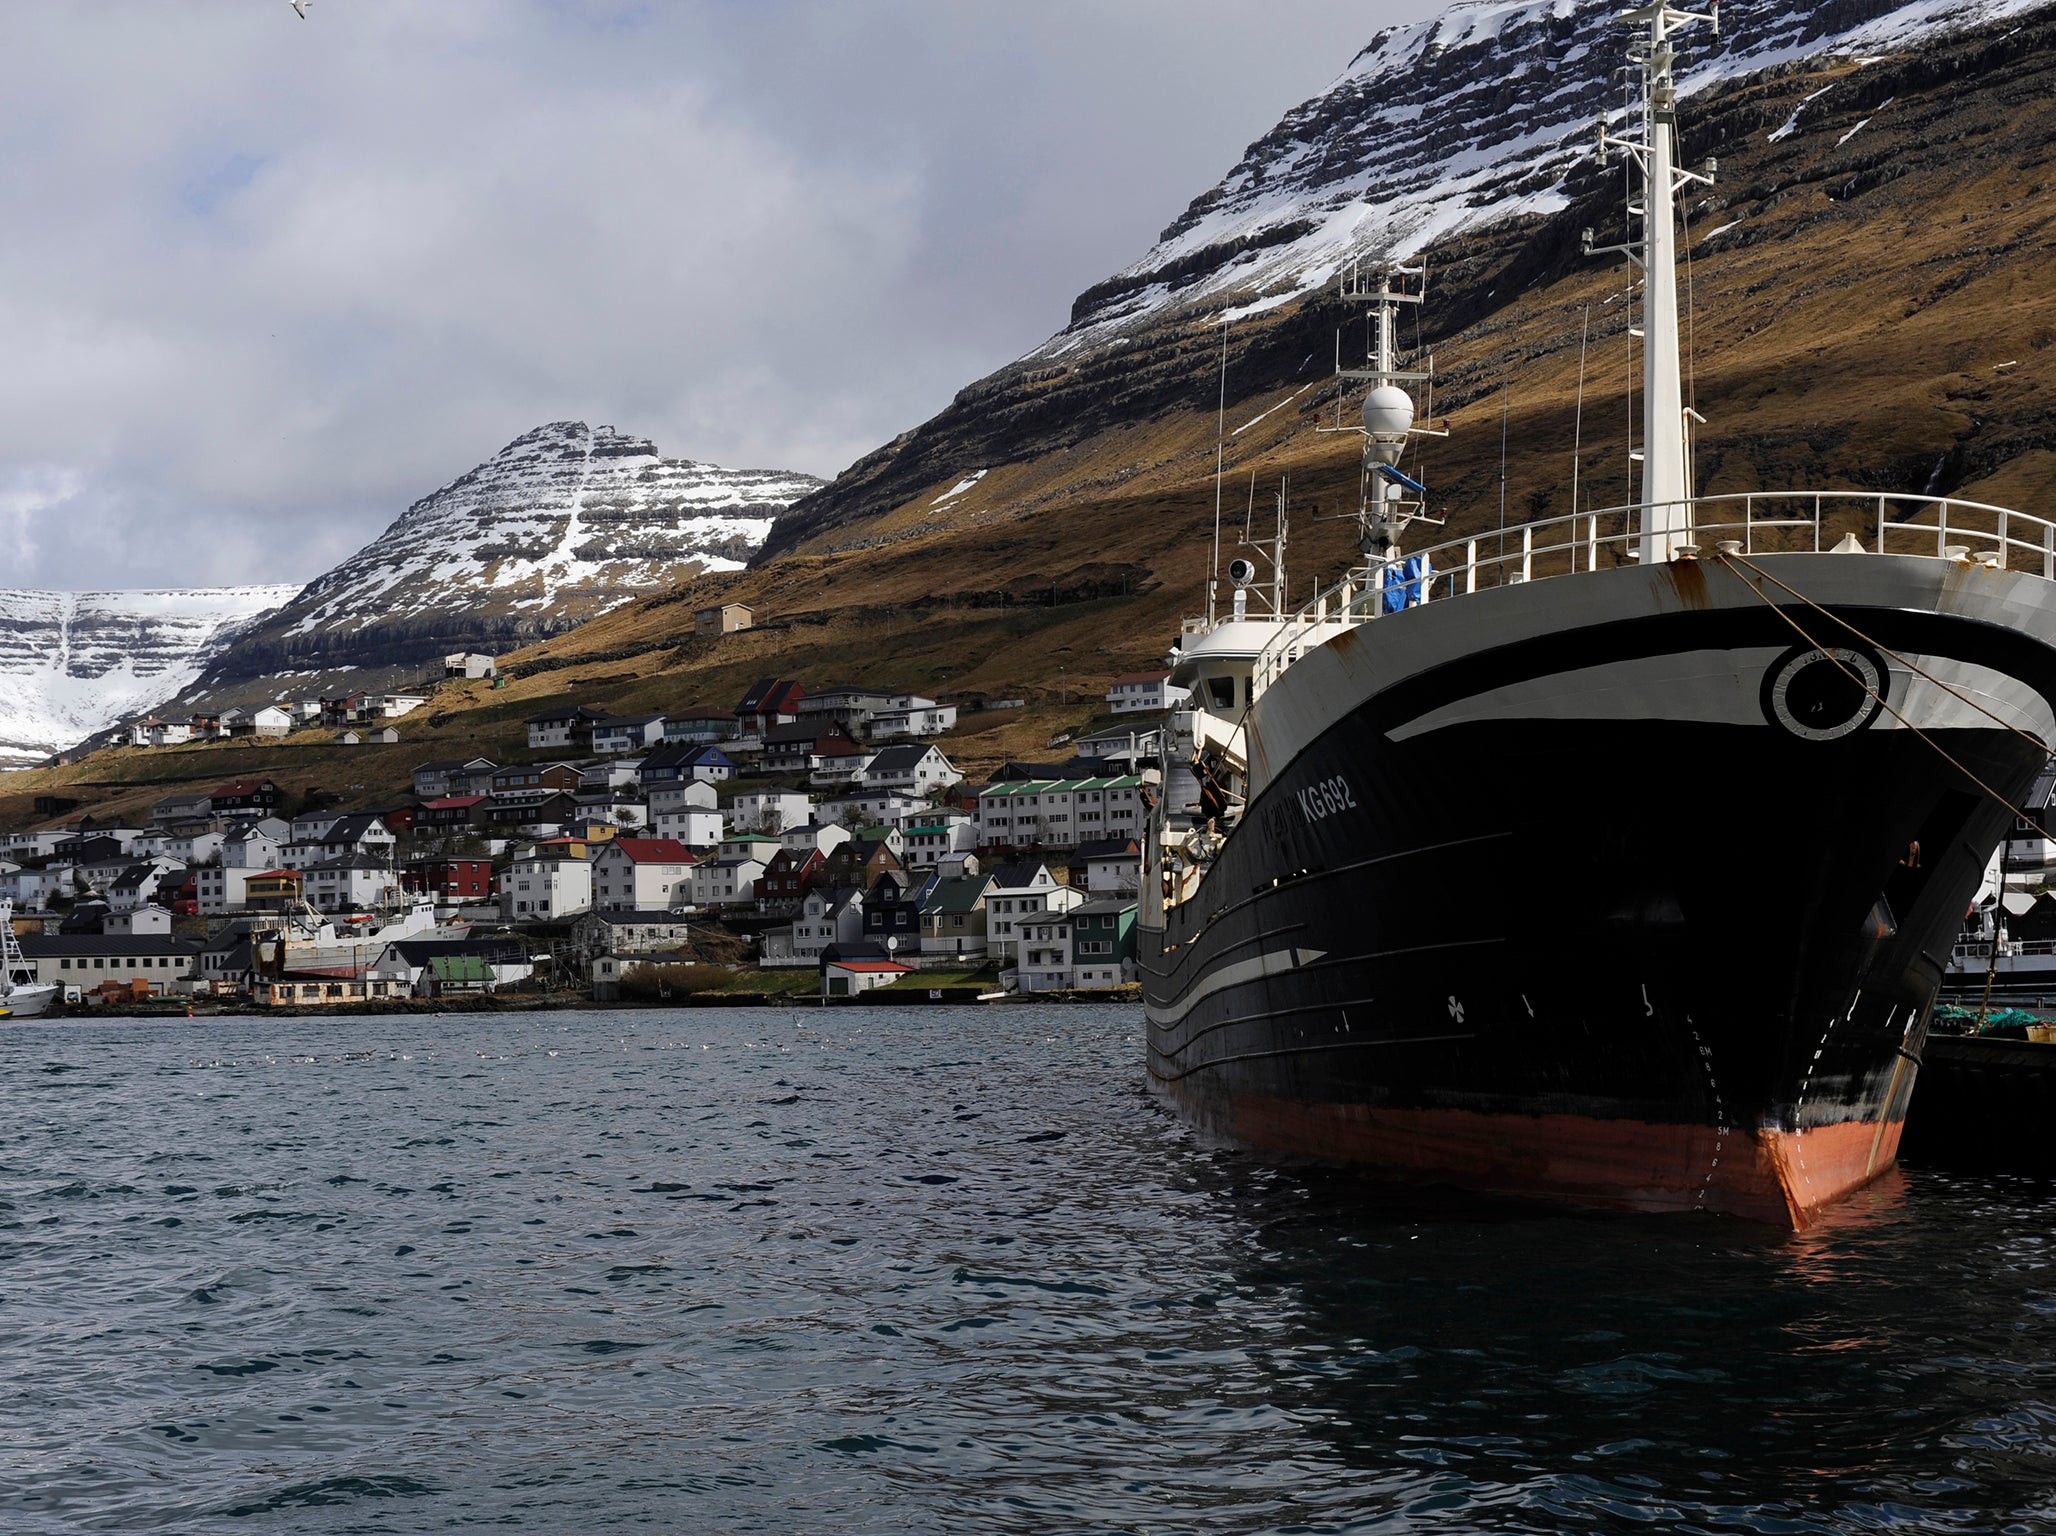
(1666, 465)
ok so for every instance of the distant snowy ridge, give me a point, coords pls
(1449, 124)
(74, 663)
(566, 510)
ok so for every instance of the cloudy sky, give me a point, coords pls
(265, 281)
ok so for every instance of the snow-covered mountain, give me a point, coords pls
(75, 663)
(1455, 123)
(1451, 127)
(563, 523)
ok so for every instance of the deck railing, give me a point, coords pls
(1755, 522)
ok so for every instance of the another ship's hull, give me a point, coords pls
(1553, 905)
(29, 1001)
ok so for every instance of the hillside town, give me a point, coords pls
(822, 834)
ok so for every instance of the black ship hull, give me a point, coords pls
(1658, 955)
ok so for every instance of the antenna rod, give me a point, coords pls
(1213, 571)
(1505, 399)
(1578, 427)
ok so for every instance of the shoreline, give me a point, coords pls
(882, 997)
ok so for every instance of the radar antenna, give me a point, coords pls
(1389, 500)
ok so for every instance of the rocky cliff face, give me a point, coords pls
(74, 663)
(1444, 135)
(561, 524)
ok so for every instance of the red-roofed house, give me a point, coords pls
(772, 701)
(641, 874)
(245, 799)
(451, 813)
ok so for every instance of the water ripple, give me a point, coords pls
(947, 1272)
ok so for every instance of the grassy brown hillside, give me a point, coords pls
(1873, 307)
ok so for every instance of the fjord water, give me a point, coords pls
(923, 1270)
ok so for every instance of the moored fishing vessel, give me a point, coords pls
(21, 995)
(1735, 763)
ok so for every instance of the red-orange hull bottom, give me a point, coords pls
(1759, 1173)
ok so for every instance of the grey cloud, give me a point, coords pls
(267, 281)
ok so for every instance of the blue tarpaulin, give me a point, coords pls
(1406, 583)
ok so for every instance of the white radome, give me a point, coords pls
(1388, 411)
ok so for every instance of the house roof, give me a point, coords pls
(875, 834)
(1110, 848)
(244, 787)
(454, 802)
(136, 874)
(903, 759)
(771, 695)
(652, 850)
(957, 893)
(637, 918)
(1018, 877)
(870, 966)
(621, 722)
(576, 713)
(835, 744)
(1104, 906)
(62, 946)
(751, 837)
(1160, 675)
(351, 828)
(460, 968)
(1057, 786)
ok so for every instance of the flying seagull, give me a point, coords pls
(300, 7)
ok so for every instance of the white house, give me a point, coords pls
(1020, 893)
(627, 733)
(691, 826)
(467, 664)
(724, 882)
(390, 706)
(888, 807)
(911, 770)
(1135, 693)
(827, 917)
(1113, 866)
(190, 847)
(641, 874)
(934, 838)
(911, 716)
(814, 837)
(351, 882)
(137, 884)
(1060, 813)
(619, 773)
(844, 978)
(544, 887)
(769, 810)
(1042, 951)
(750, 845)
(32, 887)
(353, 835)
(271, 721)
(148, 918)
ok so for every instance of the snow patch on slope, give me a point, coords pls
(74, 663)
(1449, 124)
(565, 509)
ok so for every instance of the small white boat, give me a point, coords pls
(21, 995)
